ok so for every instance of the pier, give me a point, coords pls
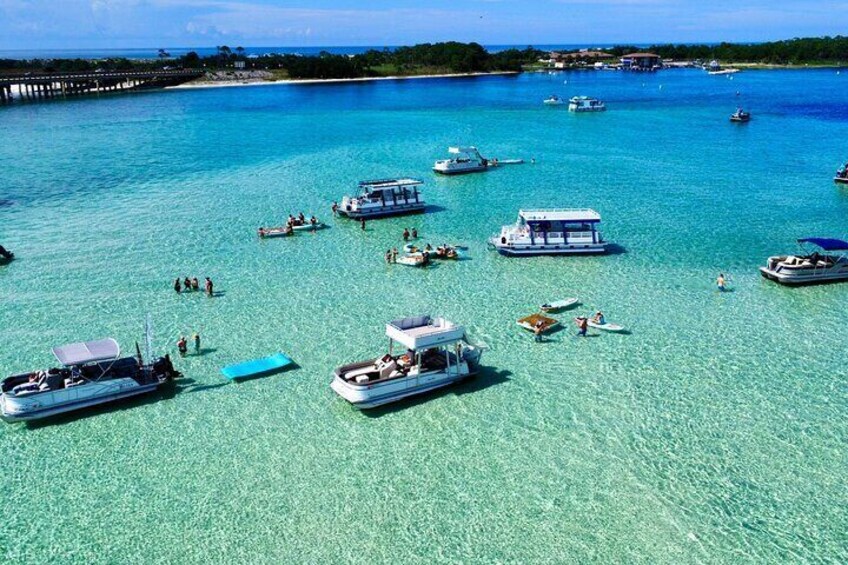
(33, 87)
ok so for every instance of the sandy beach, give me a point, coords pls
(222, 84)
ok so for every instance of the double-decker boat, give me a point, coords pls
(384, 197)
(810, 267)
(437, 354)
(551, 232)
(585, 104)
(467, 160)
(92, 372)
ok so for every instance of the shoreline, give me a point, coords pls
(283, 82)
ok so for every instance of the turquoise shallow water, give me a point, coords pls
(714, 432)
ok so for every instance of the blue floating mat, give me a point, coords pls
(257, 367)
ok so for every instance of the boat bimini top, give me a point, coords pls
(75, 354)
(826, 243)
(423, 332)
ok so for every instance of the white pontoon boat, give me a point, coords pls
(551, 232)
(585, 104)
(384, 197)
(437, 354)
(810, 268)
(92, 373)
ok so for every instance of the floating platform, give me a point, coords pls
(257, 367)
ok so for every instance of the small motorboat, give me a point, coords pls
(281, 231)
(841, 175)
(440, 252)
(740, 116)
(541, 321)
(308, 226)
(414, 259)
(605, 327)
(558, 305)
(554, 100)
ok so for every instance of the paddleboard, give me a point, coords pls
(606, 327)
(558, 305)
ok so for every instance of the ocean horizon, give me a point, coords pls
(713, 431)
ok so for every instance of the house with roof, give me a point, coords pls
(641, 62)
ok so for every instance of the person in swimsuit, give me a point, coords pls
(583, 325)
(720, 282)
(177, 286)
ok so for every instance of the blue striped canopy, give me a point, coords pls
(826, 243)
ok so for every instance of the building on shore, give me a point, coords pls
(641, 62)
(582, 58)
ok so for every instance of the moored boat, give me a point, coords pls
(740, 116)
(841, 175)
(553, 100)
(91, 373)
(437, 354)
(586, 104)
(551, 232)
(810, 268)
(467, 160)
(384, 197)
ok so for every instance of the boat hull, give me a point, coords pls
(380, 394)
(309, 227)
(464, 171)
(840, 180)
(803, 279)
(28, 408)
(535, 250)
(384, 212)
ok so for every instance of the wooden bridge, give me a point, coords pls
(32, 86)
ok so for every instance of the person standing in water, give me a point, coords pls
(177, 285)
(197, 343)
(414, 233)
(721, 283)
(194, 284)
(335, 208)
(405, 234)
(182, 345)
(583, 325)
(209, 287)
(362, 223)
(537, 331)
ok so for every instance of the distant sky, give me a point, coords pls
(59, 24)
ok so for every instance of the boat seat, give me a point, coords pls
(361, 379)
(387, 369)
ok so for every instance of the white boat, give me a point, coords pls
(810, 268)
(558, 305)
(740, 116)
(384, 197)
(508, 162)
(606, 326)
(467, 160)
(585, 104)
(437, 354)
(554, 100)
(551, 232)
(841, 175)
(723, 72)
(92, 373)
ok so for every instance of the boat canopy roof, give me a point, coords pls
(560, 215)
(458, 150)
(379, 184)
(87, 352)
(828, 244)
(422, 332)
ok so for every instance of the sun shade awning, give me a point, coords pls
(827, 244)
(87, 352)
